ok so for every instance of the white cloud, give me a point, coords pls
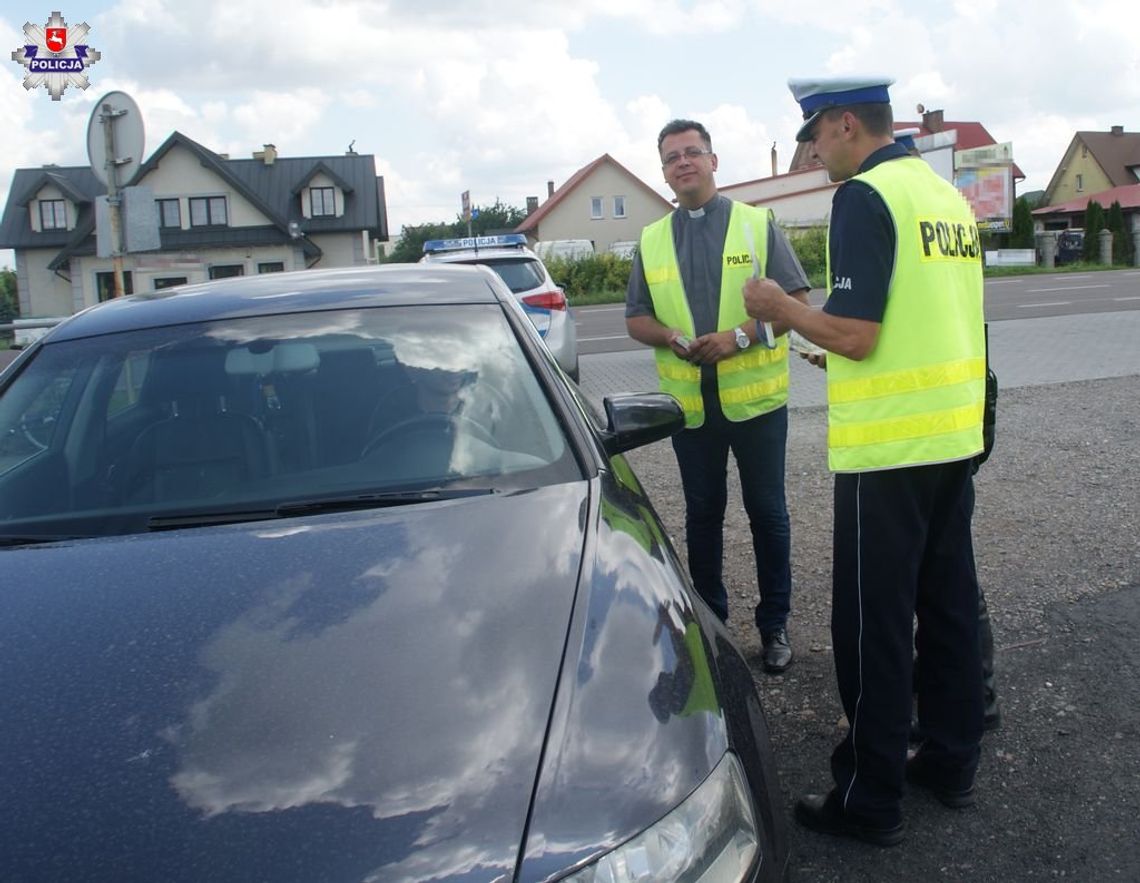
(500, 96)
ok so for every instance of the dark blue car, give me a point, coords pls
(333, 576)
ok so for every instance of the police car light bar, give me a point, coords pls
(502, 240)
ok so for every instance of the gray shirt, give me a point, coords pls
(698, 238)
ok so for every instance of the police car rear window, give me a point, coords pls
(520, 275)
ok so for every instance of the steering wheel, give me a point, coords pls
(435, 423)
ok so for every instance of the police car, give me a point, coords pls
(527, 277)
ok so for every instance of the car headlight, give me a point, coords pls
(711, 837)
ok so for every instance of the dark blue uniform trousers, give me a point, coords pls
(902, 548)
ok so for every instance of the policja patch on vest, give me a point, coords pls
(944, 240)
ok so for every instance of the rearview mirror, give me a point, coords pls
(637, 419)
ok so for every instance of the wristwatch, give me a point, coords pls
(742, 339)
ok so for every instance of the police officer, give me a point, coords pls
(991, 717)
(906, 384)
(684, 299)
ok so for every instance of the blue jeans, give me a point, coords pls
(702, 457)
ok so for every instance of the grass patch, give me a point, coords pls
(590, 298)
(1077, 267)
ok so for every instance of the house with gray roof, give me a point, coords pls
(216, 217)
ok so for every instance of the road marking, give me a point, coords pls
(1059, 303)
(611, 337)
(600, 309)
(1064, 288)
(1127, 298)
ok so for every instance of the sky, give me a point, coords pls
(498, 97)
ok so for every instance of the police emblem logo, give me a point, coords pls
(55, 56)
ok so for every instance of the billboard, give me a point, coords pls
(989, 190)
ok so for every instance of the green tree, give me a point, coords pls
(1094, 223)
(1121, 235)
(9, 300)
(1021, 234)
(495, 218)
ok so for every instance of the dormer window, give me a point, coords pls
(208, 211)
(53, 214)
(322, 202)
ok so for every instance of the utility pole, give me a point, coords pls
(114, 200)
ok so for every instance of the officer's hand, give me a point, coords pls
(820, 361)
(763, 299)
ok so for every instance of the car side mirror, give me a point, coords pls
(637, 419)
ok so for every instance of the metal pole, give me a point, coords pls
(114, 201)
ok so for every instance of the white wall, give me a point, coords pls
(50, 294)
(180, 174)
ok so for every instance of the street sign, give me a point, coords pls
(118, 111)
(465, 200)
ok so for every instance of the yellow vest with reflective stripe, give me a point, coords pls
(755, 380)
(918, 397)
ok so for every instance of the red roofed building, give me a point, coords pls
(969, 134)
(1072, 213)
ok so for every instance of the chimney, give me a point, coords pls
(531, 205)
(932, 121)
(549, 188)
(1118, 130)
(773, 159)
(267, 155)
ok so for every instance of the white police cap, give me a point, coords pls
(816, 95)
(905, 137)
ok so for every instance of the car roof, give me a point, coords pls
(298, 292)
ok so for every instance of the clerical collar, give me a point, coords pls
(704, 209)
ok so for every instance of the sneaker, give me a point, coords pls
(777, 653)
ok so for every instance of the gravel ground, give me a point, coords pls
(1055, 526)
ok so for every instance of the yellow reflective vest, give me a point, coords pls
(918, 397)
(753, 382)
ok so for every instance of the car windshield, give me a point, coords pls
(274, 414)
(519, 274)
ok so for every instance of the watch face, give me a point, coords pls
(742, 340)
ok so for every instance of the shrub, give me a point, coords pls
(1121, 235)
(810, 246)
(596, 275)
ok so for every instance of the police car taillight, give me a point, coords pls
(546, 300)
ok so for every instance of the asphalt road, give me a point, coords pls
(1057, 542)
(601, 329)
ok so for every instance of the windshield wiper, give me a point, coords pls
(35, 539)
(377, 501)
(315, 506)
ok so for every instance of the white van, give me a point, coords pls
(570, 249)
(626, 248)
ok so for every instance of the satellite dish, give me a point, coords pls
(118, 111)
(920, 108)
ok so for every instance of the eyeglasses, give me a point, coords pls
(689, 153)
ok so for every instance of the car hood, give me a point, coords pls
(345, 697)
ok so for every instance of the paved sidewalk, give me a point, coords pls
(1024, 352)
